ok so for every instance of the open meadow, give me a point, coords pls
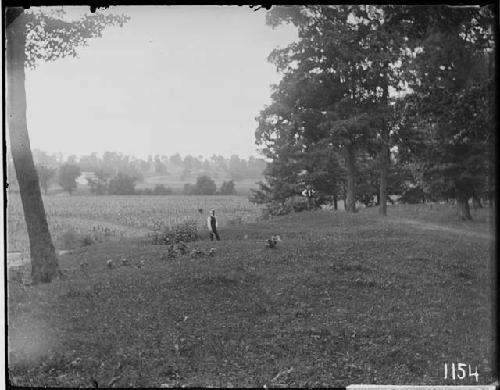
(114, 217)
(344, 298)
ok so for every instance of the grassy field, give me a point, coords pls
(343, 299)
(124, 216)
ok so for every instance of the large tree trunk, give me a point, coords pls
(350, 203)
(44, 264)
(384, 154)
(335, 205)
(463, 208)
(384, 168)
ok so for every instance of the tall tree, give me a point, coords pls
(340, 71)
(31, 38)
(44, 264)
(452, 100)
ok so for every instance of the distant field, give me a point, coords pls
(242, 187)
(124, 216)
(136, 216)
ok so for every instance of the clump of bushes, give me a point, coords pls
(72, 239)
(413, 196)
(184, 232)
(69, 239)
(159, 189)
(295, 204)
(203, 186)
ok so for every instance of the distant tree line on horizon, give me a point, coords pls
(377, 100)
(118, 174)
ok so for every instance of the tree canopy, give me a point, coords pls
(364, 84)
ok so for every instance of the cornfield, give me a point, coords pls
(125, 216)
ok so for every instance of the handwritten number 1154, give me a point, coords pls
(458, 371)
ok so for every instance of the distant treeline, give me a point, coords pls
(118, 174)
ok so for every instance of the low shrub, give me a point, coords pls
(295, 204)
(412, 196)
(87, 240)
(70, 239)
(299, 204)
(236, 221)
(274, 209)
(183, 232)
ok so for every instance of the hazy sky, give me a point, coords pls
(187, 79)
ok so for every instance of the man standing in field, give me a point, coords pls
(212, 226)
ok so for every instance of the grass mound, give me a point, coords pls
(343, 299)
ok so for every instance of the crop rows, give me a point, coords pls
(125, 216)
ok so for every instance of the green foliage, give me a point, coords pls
(323, 172)
(68, 174)
(413, 196)
(227, 188)
(158, 189)
(71, 239)
(203, 186)
(448, 122)
(50, 37)
(332, 101)
(145, 170)
(292, 204)
(334, 97)
(160, 167)
(99, 184)
(122, 184)
(186, 231)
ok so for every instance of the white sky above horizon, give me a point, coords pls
(174, 79)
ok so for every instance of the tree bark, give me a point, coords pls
(350, 204)
(384, 154)
(44, 264)
(384, 168)
(463, 208)
(335, 205)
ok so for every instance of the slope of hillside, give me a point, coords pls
(343, 299)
